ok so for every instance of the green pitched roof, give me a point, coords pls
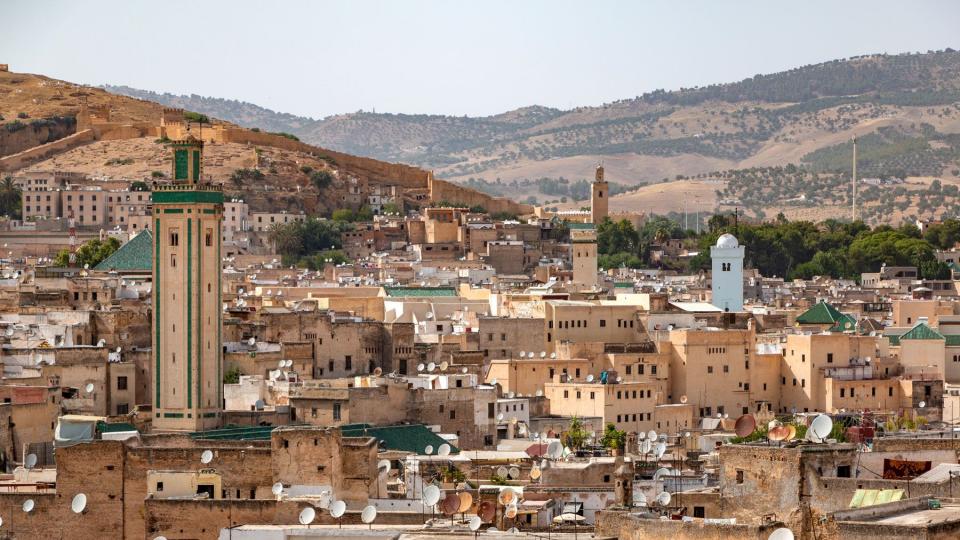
(921, 331)
(134, 256)
(821, 313)
(405, 438)
(582, 226)
(403, 292)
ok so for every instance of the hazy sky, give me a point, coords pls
(453, 57)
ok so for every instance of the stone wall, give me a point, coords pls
(623, 526)
(44, 151)
(35, 133)
(441, 190)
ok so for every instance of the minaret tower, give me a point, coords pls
(187, 351)
(598, 197)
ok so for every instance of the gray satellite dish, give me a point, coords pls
(259, 405)
(513, 473)
(554, 450)
(431, 366)
(368, 515)
(821, 426)
(502, 471)
(277, 489)
(431, 495)
(338, 508)
(782, 533)
(475, 523)
(88, 388)
(28, 505)
(663, 498)
(590, 378)
(31, 461)
(428, 449)
(206, 456)
(307, 515)
(420, 367)
(444, 450)
(79, 503)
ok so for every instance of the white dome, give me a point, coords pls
(727, 240)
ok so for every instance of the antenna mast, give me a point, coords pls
(854, 180)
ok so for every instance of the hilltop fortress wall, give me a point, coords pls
(95, 124)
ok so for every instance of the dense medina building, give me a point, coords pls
(192, 386)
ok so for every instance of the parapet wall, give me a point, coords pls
(44, 151)
(623, 526)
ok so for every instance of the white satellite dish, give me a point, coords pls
(420, 367)
(119, 349)
(368, 515)
(30, 461)
(475, 523)
(206, 456)
(642, 435)
(554, 449)
(553, 355)
(662, 471)
(590, 378)
(463, 369)
(307, 515)
(493, 382)
(502, 471)
(663, 498)
(500, 417)
(539, 393)
(444, 365)
(652, 435)
(431, 366)
(101, 343)
(431, 495)
(510, 395)
(523, 353)
(428, 449)
(513, 530)
(88, 388)
(513, 473)
(79, 503)
(252, 341)
(922, 404)
(444, 450)
(660, 450)
(640, 499)
(821, 426)
(543, 354)
(383, 466)
(646, 446)
(282, 364)
(277, 489)
(782, 533)
(28, 505)
(338, 508)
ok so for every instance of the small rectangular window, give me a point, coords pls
(174, 236)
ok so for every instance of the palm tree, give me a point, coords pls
(10, 198)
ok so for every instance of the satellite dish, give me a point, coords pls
(419, 367)
(590, 378)
(539, 393)
(28, 505)
(444, 450)
(821, 426)
(500, 417)
(486, 511)
(450, 504)
(307, 515)
(383, 466)
(782, 533)
(428, 449)
(511, 511)
(444, 365)
(475, 523)
(683, 399)
(277, 489)
(466, 501)
(530, 355)
(119, 349)
(661, 472)
(543, 354)
(507, 496)
(493, 382)
(463, 369)
(101, 343)
(745, 425)
(513, 472)
(79, 503)
(554, 449)
(660, 450)
(652, 435)
(642, 435)
(31, 461)
(553, 355)
(368, 515)
(502, 471)
(431, 366)
(922, 404)
(431, 495)
(510, 395)
(338, 508)
(640, 499)
(252, 341)
(206, 456)
(646, 446)
(535, 473)
(778, 434)
(791, 432)
(88, 388)
(523, 353)
(663, 498)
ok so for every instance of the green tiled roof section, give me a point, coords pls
(135, 255)
(846, 323)
(420, 291)
(405, 438)
(583, 226)
(921, 331)
(822, 313)
(623, 284)
(104, 427)
(233, 433)
(186, 197)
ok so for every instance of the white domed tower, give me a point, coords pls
(727, 275)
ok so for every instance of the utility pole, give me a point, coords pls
(854, 209)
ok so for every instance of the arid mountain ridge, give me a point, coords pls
(765, 120)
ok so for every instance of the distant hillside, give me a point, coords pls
(795, 116)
